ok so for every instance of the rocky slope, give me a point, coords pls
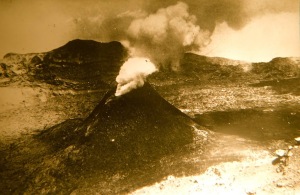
(222, 68)
(122, 135)
(79, 61)
(278, 68)
(91, 64)
(202, 70)
(215, 91)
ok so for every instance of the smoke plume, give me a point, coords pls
(133, 74)
(162, 37)
(26, 28)
(159, 30)
(166, 34)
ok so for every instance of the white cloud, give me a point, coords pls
(264, 38)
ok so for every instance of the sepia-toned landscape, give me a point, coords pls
(146, 98)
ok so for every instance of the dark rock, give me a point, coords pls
(87, 62)
(36, 60)
(86, 51)
(3, 70)
(277, 68)
(123, 135)
(124, 131)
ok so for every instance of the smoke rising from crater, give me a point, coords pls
(133, 74)
(165, 35)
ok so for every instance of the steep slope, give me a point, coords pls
(138, 126)
(121, 135)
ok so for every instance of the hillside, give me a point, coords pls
(122, 136)
(79, 62)
(62, 132)
(89, 64)
(202, 70)
(278, 68)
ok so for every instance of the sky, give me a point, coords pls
(256, 30)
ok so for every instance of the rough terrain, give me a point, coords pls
(250, 119)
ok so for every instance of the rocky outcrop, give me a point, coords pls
(20, 64)
(278, 68)
(5, 72)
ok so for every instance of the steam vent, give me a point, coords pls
(122, 133)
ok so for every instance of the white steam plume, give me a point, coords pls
(133, 74)
(165, 35)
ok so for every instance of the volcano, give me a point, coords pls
(126, 130)
(124, 135)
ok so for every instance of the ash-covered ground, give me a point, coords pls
(247, 116)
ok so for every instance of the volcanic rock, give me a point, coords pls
(86, 51)
(137, 127)
(83, 61)
(123, 134)
(86, 60)
(278, 68)
(4, 72)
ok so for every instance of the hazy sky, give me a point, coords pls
(253, 30)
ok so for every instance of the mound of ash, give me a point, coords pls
(122, 133)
